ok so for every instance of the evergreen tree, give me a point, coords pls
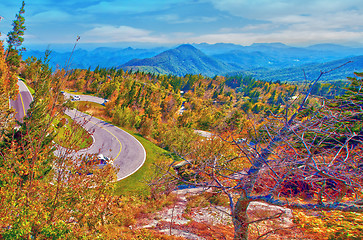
(15, 39)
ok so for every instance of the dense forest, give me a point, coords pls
(297, 148)
(167, 110)
(147, 102)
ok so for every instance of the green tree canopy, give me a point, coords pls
(15, 38)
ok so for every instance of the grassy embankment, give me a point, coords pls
(70, 134)
(135, 184)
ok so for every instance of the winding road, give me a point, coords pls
(22, 101)
(127, 152)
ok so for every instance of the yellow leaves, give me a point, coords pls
(331, 224)
(23, 170)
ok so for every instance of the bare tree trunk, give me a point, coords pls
(240, 219)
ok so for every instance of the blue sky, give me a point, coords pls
(172, 22)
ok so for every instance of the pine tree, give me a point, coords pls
(15, 39)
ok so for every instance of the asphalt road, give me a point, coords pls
(127, 152)
(86, 98)
(22, 101)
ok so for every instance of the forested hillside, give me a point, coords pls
(147, 102)
(250, 116)
(182, 60)
(311, 71)
(222, 156)
(166, 109)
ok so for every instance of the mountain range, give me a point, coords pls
(104, 57)
(266, 61)
(182, 60)
(333, 70)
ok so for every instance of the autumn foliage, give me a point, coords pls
(289, 147)
(268, 142)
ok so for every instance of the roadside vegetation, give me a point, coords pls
(70, 134)
(137, 183)
(270, 143)
(93, 109)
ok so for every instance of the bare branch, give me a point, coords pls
(344, 207)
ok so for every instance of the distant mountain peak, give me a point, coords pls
(185, 46)
(184, 59)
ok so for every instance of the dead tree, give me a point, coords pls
(305, 152)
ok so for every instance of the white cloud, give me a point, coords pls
(340, 20)
(197, 20)
(51, 16)
(107, 33)
(293, 21)
(265, 27)
(168, 18)
(176, 19)
(294, 37)
(288, 21)
(267, 9)
(118, 6)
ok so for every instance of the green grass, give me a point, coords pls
(136, 183)
(71, 135)
(31, 90)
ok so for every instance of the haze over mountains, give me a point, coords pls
(182, 60)
(270, 61)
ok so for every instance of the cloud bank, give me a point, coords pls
(300, 22)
